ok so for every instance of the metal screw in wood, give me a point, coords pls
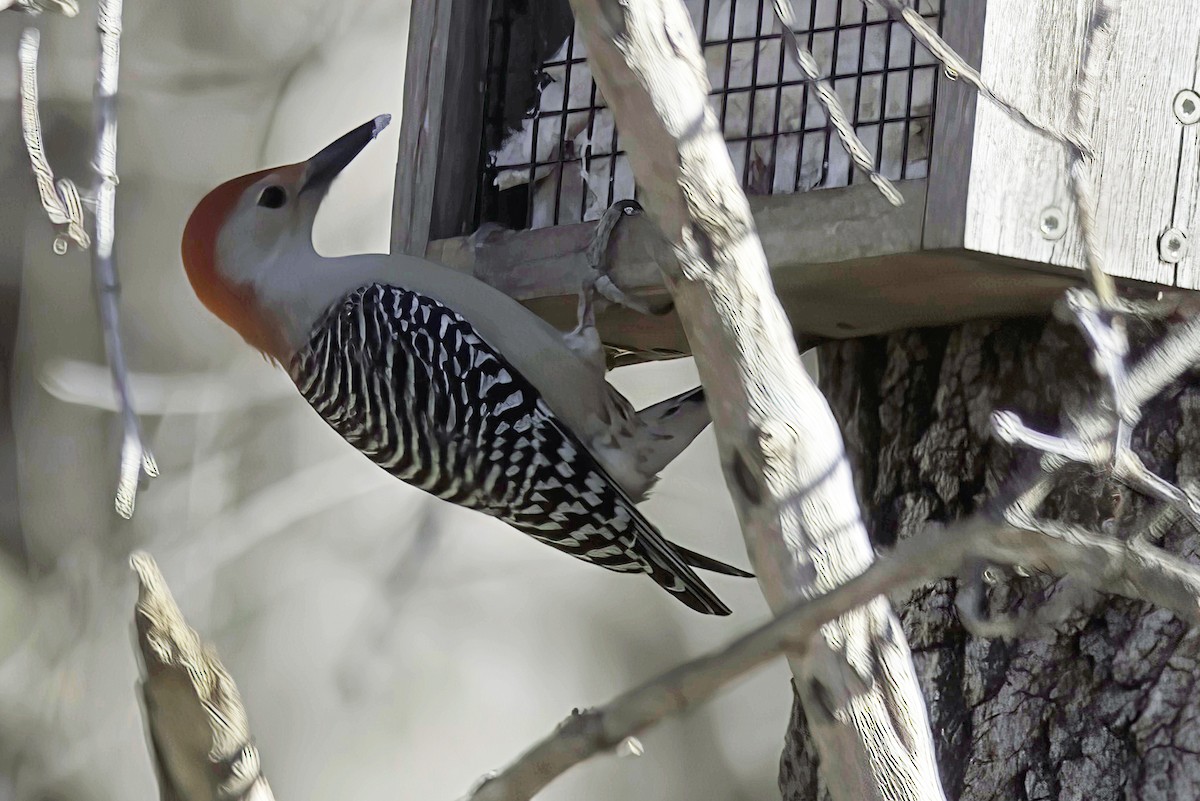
(1052, 223)
(1187, 107)
(1172, 245)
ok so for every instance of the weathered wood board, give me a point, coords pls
(990, 233)
(442, 124)
(1018, 201)
(853, 268)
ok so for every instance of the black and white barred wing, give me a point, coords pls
(413, 386)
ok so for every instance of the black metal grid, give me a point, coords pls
(778, 136)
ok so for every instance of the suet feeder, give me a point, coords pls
(509, 154)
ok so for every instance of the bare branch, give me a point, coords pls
(136, 459)
(61, 200)
(827, 97)
(1100, 425)
(65, 208)
(1097, 47)
(68, 8)
(785, 462)
(199, 736)
(1076, 140)
(90, 384)
(957, 68)
(1131, 569)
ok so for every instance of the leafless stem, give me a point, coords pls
(136, 459)
(61, 200)
(827, 97)
(785, 462)
(199, 736)
(1132, 569)
(1097, 47)
(68, 8)
(65, 208)
(957, 68)
(1107, 434)
(1075, 139)
(1100, 434)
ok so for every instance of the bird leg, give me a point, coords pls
(585, 339)
(597, 256)
(599, 288)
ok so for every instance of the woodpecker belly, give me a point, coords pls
(412, 385)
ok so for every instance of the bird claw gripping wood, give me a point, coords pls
(585, 339)
(597, 256)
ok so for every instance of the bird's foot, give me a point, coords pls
(597, 256)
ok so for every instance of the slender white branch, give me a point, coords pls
(68, 8)
(785, 17)
(1164, 363)
(957, 68)
(90, 384)
(65, 208)
(1076, 139)
(1132, 569)
(784, 458)
(61, 200)
(135, 458)
(1097, 47)
(1129, 568)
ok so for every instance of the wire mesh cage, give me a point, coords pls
(562, 161)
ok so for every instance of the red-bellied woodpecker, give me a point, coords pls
(444, 381)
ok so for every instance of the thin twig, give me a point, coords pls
(68, 8)
(827, 97)
(957, 68)
(61, 200)
(1098, 313)
(65, 207)
(1100, 425)
(136, 459)
(1076, 139)
(1130, 569)
(1097, 47)
(90, 384)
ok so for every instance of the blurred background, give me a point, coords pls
(387, 645)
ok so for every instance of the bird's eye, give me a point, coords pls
(272, 197)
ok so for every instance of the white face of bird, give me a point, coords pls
(248, 230)
(271, 217)
(274, 214)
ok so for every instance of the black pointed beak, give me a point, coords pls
(324, 167)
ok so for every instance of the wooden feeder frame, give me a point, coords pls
(989, 233)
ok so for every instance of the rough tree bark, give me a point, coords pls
(1104, 706)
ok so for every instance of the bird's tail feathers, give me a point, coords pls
(671, 567)
(671, 407)
(699, 560)
(673, 424)
(688, 588)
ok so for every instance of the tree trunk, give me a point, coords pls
(1103, 706)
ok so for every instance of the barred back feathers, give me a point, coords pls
(412, 385)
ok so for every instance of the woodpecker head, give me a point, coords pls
(248, 229)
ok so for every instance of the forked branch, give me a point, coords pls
(67, 210)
